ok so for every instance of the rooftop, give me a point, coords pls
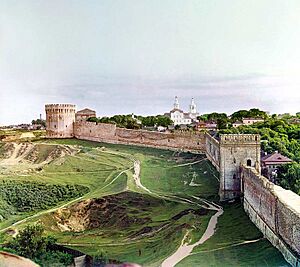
(86, 110)
(275, 158)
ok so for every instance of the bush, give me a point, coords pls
(29, 196)
(31, 243)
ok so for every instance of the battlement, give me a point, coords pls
(60, 108)
(231, 139)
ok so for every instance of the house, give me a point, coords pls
(271, 162)
(83, 115)
(237, 124)
(161, 129)
(200, 125)
(211, 125)
(249, 121)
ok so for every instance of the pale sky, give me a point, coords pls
(124, 56)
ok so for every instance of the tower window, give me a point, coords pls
(249, 162)
(54, 125)
(234, 176)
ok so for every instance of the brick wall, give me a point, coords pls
(275, 211)
(213, 151)
(109, 133)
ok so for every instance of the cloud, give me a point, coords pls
(116, 95)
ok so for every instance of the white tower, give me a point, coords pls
(193, 108)
(176, 103)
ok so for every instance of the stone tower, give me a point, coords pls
(59, 120)
(236, 150)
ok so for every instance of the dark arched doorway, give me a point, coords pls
(249, 163)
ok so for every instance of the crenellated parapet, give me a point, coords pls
(239, 139)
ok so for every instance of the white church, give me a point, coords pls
(181, 118)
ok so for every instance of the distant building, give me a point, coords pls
(200, 125)
(211, 125)
(181, 118)
(249, 121)
(83, 115)
(294, 121)
(161, 129)
(237, 124)
(271, 162)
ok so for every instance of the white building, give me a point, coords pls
(249, 121)
(181, 118)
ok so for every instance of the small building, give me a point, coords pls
(83, 115)
(294, 121)
(237, 124)
(211, 125)
(271, 162)
(249, 121)
(161, 129)
(200, 125)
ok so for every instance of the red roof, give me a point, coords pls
(275, 158)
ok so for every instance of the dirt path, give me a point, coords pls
(15, 157)
(136, 176)
(185, 249)
(232, 245)
(190, 163)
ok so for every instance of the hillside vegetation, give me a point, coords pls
(124, 203)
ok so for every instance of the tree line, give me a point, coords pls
(134, 122)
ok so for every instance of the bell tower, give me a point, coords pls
(176, 103)
(193, 107)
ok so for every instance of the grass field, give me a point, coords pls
(145, 224)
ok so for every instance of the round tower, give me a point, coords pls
(59, 120)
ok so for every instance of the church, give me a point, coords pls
(181, 118)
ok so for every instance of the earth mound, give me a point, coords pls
(118, 211)
(23, 156)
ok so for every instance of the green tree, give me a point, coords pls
(163, 121)
(93, 119)
(289, 177)
(31, 242)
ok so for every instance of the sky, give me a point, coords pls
(134, 56)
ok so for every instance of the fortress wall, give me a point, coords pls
(275, 211)
(212, 148)
(94, 132)
(109, 133)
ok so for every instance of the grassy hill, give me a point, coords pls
(124, 202)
